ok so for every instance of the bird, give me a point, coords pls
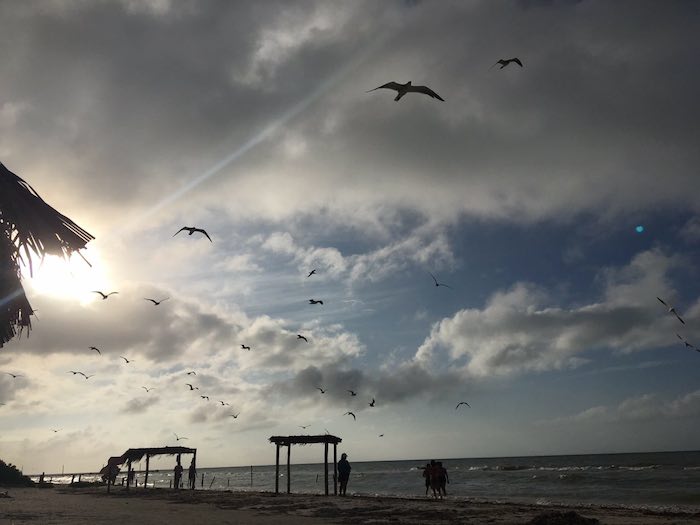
(671, 309)
(350, 414)
(687, 344)
(381, 435)
(223, 404)
(192, 229)
(244, 347)
(205, 397)
(304, 426)
(73, 372)
(352, 392)
(321, 389)
(127, 361)
(148, 389)
(312, 272)
(178, 438)
(104, 296)
(235, 416)
(408, 88)
(505, 61)
(299, 336)
(462, 403)
(54, 430)
(439, 283)
(96, 349)
(192, 387)
(86, 376)
(14, 376)
(191, 373)
(314, 301)
(372, 403)
(156, 302)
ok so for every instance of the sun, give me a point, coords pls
(67, 278)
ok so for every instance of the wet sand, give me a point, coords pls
(92, 505)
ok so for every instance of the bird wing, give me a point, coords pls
(679, 317)
(97, 291)
(517, 61)
(205, 233)
(434, 279)
(112, 293)
(388, 85)
(425, 90)
(445, 285)
(662, 301)
(152, 300)
(181, 229)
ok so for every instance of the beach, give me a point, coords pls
(93, 505)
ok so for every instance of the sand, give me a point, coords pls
(92, 505)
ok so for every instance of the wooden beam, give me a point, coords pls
(325, 464)
(145, 481)
(277, 470)
(289, 471)
(335, 469)
(128, 473)
(194, 462)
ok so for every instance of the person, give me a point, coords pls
(192, 474)
(426, 475)
(178, 473)
(435, 479)
(443, 477)
(344, 469)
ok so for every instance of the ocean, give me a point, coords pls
(660, 480)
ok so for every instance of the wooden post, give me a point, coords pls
(335, 469)
(194, 462)
(325, 463)
(109, 476)
(128, 474)
(277, 469)
(289, 471)
(145, 481)
(251, 475)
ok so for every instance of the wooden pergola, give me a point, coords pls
(136, 454)
(288, 441)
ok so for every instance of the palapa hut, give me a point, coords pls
(288, 441)
(136, 454)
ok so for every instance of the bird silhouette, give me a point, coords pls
(191, 373)
(156, 302)
(73, 372)
(14, 376)
(687, 344)
(671, 309)
(192, 229)
(304, 426)
(350, 414)
(54, 430)
(439, 283)
(235, 416)
(244, 347)
(352, 392)
(205, 397)
(86, 376)
(299, 336)
(402, 89)
(178, 438)
(104, 295)
(505, 61)
(312, 272)
(148, 389)
(381, 435)
(192, 387)
(96, 349)
(462, 403)
(321, 389)
(314, 301)
(372, 403)
(223, 404)
(127, 361)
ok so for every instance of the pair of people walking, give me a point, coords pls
(436, 478)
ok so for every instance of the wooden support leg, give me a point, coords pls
(277, 470)
(325, 464)
(289, 471)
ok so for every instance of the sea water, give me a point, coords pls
(668, 480)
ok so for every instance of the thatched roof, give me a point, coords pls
(136, 454)
(305, 440)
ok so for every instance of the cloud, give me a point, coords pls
(138, 405)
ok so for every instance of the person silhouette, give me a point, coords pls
(344, 469)
(192, 475)
(178, 473)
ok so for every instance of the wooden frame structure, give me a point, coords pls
(288, 441)
(136, 454)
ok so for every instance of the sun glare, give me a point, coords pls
(67, 279)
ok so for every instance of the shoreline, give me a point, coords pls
(65, 504)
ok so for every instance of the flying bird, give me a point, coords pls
(244, 347)
(205, 397)
(321, 389)
(148, 389)
(127, 361)
(73, 372)
(192, 373)
(54, 430)
(312, 272)
(314, 301)
(381, 435)
(299, 336)
(104, 296)
(671, 309)
(506, 61)
(439, 283)
(235, 416)
(192, 229)
(178, 438)
(462, 403)
(304, 426)
(156, 302)
(223, 404)
(14, 376)
(192, 387)
(687, 344)
(96, 349)
(86, 376)
(350, 414)
(372, 403)
(402, 89)
(352, 392)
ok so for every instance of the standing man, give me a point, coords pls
(178, 473)
(344, 469)
(192, 475)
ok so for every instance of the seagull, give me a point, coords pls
(96, 349)
(304, 426)
(148, 389)
(408, 88)
(671, 309)
(178, 438)
(205, 397)
(244, 347)
(372, 403)
(192, 387)
(350, 414)
(381, 435)
(314, 301)
(506, 61)
(127, 360)
(223, 404)
(352, 393)
(312, 272)
(687, 344)
(462, 403)
(104, 296)
(192, 373)
(299, 336)
(14, 376)
(192, 229)
(54, 430)
(85, 376)
(440, 284)
(156, 302)
(321, 389)
(235, 416)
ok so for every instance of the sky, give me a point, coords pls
(556, 200)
